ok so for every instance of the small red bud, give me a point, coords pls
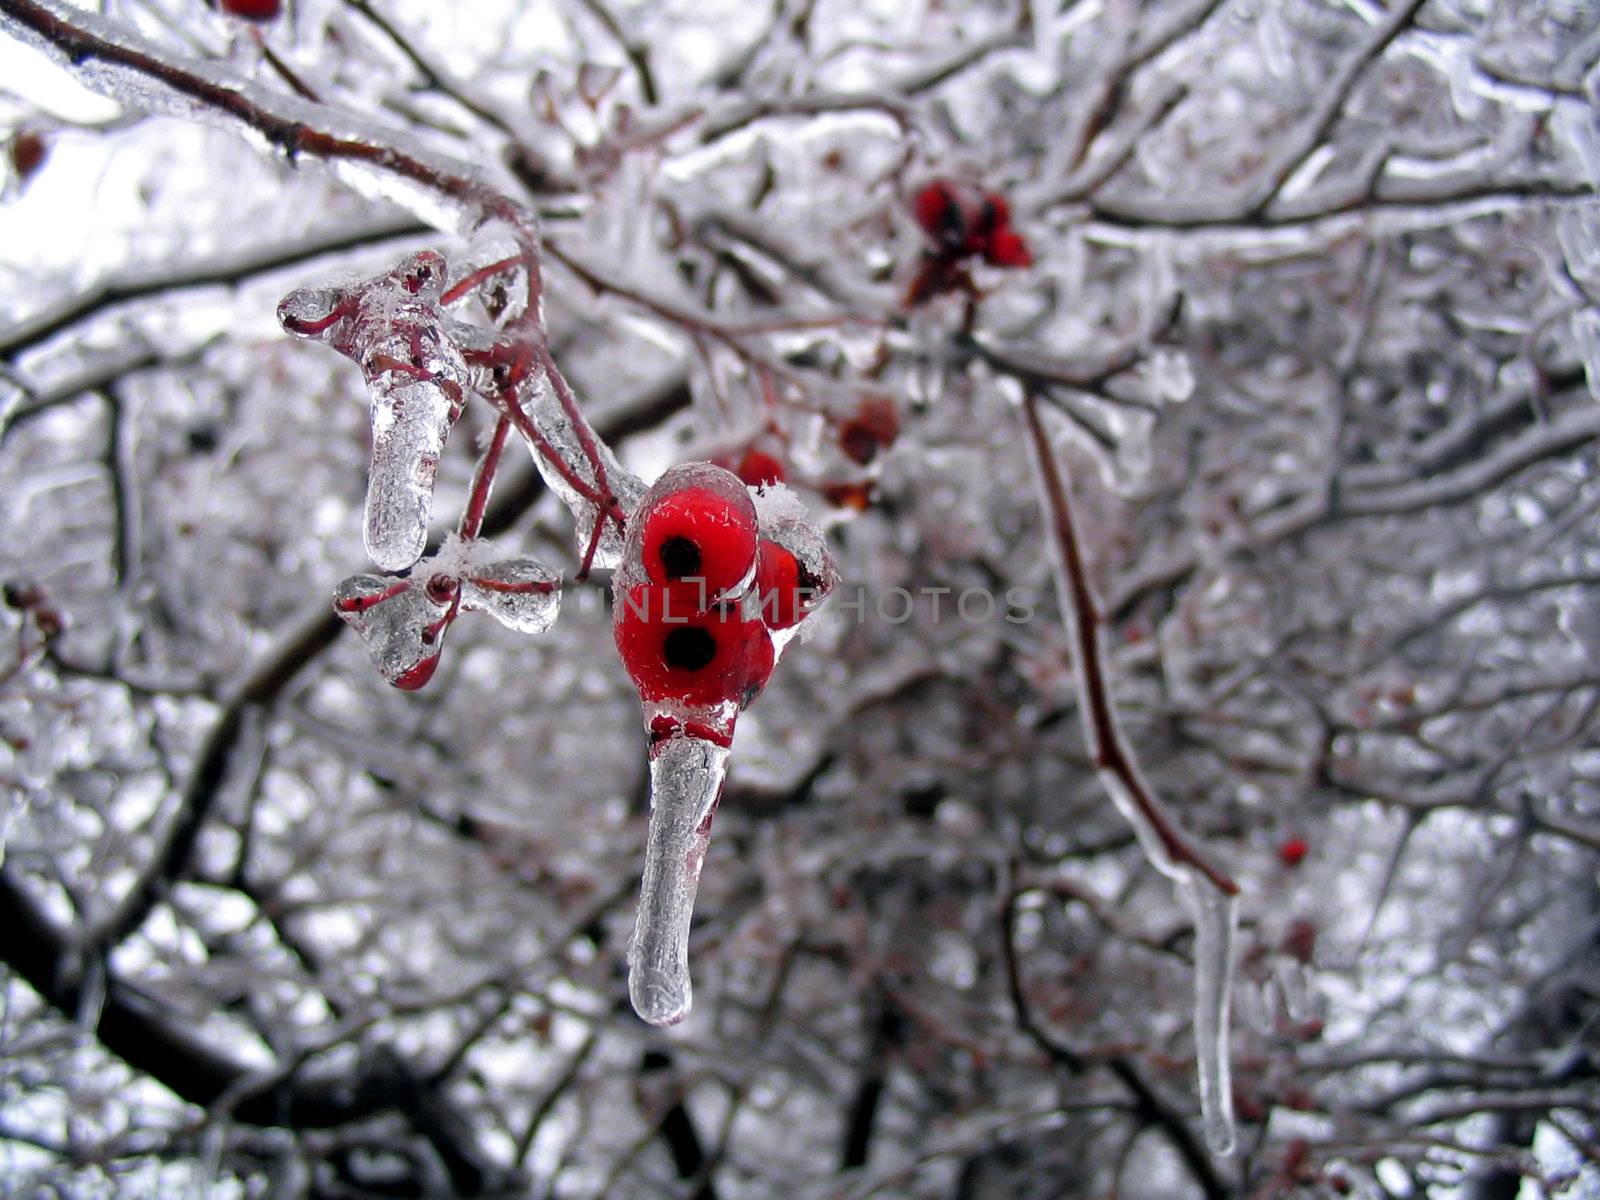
(1007, 249)
(252, 10)
(28, 151)
(1293, 851)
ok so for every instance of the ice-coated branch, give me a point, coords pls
(114, 60)
(1163, 839)
(422, 363)
(130, 285)
(1209, 892)
(686, 776)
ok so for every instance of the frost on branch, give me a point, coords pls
(713, 585)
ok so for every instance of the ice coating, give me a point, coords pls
(691, 704)
(521, 593)
(113, 58)
(721, 483)
(568, 460)
(410, 420)
(410, 354)
(686, 776)
(1209, 894)
(783, 522)
(401, 625)
(402, 622)
(1216, 917)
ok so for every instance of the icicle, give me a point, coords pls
(686, 777)
(1294, 985)
(1215, 918)
(410, 354)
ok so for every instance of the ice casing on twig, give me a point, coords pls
(686, 777)
(410, 355)
(1210, 896)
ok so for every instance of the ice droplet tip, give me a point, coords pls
(659, 998)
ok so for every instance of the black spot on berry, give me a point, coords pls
(680, 557)
(689, 649)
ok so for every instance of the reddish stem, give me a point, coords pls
(483, 480)
(586, 438)
(1086, 622)
(528, 587)
(464, 285)
(512, 410)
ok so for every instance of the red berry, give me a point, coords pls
(779, 590)
(873, 428)
(1005, 248)
(1000, 211)
(939, 211)
(698, 658)
(857, 497)
(1300, 940)
(757, 469)
(252, 10)
(28, 152)
(699, 534)
(1293, 851)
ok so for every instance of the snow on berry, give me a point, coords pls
(962, 222)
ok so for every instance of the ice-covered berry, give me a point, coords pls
(698, 658)
(704, 531)
(781, 592)
(938, 210)
(963, 222)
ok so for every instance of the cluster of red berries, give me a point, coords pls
(703, 595)
(963, 223)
